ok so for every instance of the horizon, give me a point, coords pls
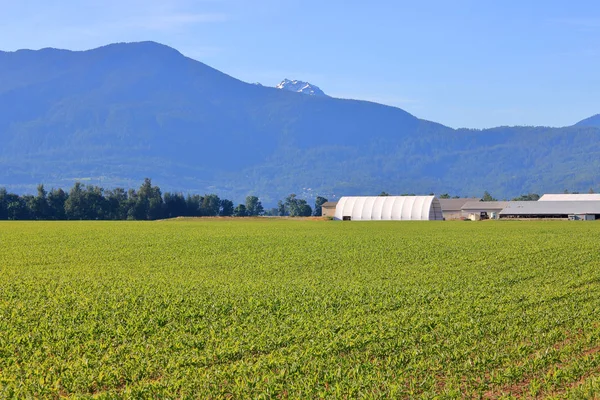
(465, 65)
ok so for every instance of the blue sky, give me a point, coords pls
(472, 64)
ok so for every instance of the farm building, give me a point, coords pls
(476, 209)
(579, 210)
(571, 197)
(328, 208)
(452, 208)
(389, 208)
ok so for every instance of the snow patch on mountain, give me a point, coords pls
(300, 87)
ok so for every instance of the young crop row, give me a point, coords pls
(299, 309)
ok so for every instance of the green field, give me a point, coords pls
(299, 309)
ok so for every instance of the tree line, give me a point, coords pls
(90, 202)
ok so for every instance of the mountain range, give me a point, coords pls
(122, 112)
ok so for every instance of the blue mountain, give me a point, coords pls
(591, 121)
(119, 113)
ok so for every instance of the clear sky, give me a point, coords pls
(462, 63)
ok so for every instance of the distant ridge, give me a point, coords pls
(119, 113)
(591, 121)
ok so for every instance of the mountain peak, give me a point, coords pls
(300, 87)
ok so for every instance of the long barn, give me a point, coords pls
(581, 209)
(570, 197)
(389, 208)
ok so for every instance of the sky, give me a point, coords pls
(462, 63)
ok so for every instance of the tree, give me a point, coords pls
(304, 210)
(150, 203)
(591, 191)
(319, 201)
(291, 204)
(194, 205)
(445, 196)
(272, 212)
(86, 203)
(281, 209)
(95, 204)
(15, 207)
(254, 206)
(175, 205)
(3, 204)
(56, 204)
(527, 197)
(39, 208)
(116, 200)
(226, 208)
(383, 194)
(211, 205)
(29, 202)
(297, 207)
(75, 203)
(155, 208)
(488, 197)
(132, 204)
(240, 211)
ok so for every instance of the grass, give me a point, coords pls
(299, 309)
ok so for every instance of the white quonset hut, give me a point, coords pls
(389, 208)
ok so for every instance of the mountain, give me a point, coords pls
(591, 121)
(300, 87)
(122, 112)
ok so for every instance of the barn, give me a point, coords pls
(477, 209)
(577, 210)
(452, 208)
(388, 208)
(328, 208)
(570, 197)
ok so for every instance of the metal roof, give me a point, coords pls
(484, 205)
(455, 204)
(329, 204)
(571, 197)
(551, 208)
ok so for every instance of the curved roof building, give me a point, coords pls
(389, 208)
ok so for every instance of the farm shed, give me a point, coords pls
(389, 208)
(474, 209)
(582, 209)
(328, 208)
(570, 197)
(452, 208)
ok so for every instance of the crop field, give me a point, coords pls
(265, 308)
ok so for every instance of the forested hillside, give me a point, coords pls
(114, 115)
